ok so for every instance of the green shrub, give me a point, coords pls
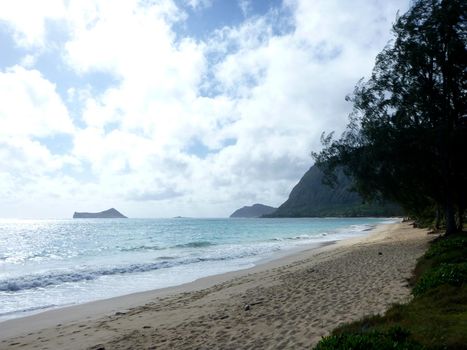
(447, 245)
(396, 338)
(452, 274)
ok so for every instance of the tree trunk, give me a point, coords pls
(460, 219)
(438, 218)
(451, 226)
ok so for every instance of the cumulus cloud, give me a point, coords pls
(31, 110)
(252, 98)
(28, 19)
(30, 105)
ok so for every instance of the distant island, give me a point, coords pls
(312, 198)
(111, 213)
(254, 211)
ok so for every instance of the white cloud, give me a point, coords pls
(120, 36)
(158, 75)
(258, 108)
(199, 4)
(28, 61)
(28, 19)
(30, 105)
(31, 109)
(245, 6)
(29, 172)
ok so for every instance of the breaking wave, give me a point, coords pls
(57, 278)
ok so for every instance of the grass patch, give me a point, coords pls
(452, 274)
(396, 338)
(435, 319)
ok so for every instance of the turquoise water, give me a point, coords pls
(50, 263)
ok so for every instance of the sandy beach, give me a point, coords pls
(288, 303)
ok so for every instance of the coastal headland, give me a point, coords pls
(286, 303)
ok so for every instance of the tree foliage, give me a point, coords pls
(407, 136)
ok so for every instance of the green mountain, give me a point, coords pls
(254, 211)
(311, 198)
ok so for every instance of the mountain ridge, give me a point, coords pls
(312, 198)
(254, 211)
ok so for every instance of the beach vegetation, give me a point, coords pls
(453, 274)
(445, 262)
(436, 317)
(396, 338)
(406, 140)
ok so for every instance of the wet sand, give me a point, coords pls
(289, 303)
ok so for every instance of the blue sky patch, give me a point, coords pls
(10, 53)
(199, 149)
(202, 21)
(57, 144)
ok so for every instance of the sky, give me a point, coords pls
(162, 108)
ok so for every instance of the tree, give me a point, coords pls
(407, 136)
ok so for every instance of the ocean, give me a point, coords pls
(46, 264)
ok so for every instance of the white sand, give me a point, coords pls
(294, 301)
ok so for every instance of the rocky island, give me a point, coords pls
(111, 213)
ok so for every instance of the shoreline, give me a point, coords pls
(51, 328)
(288, 251)
(127, 300)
